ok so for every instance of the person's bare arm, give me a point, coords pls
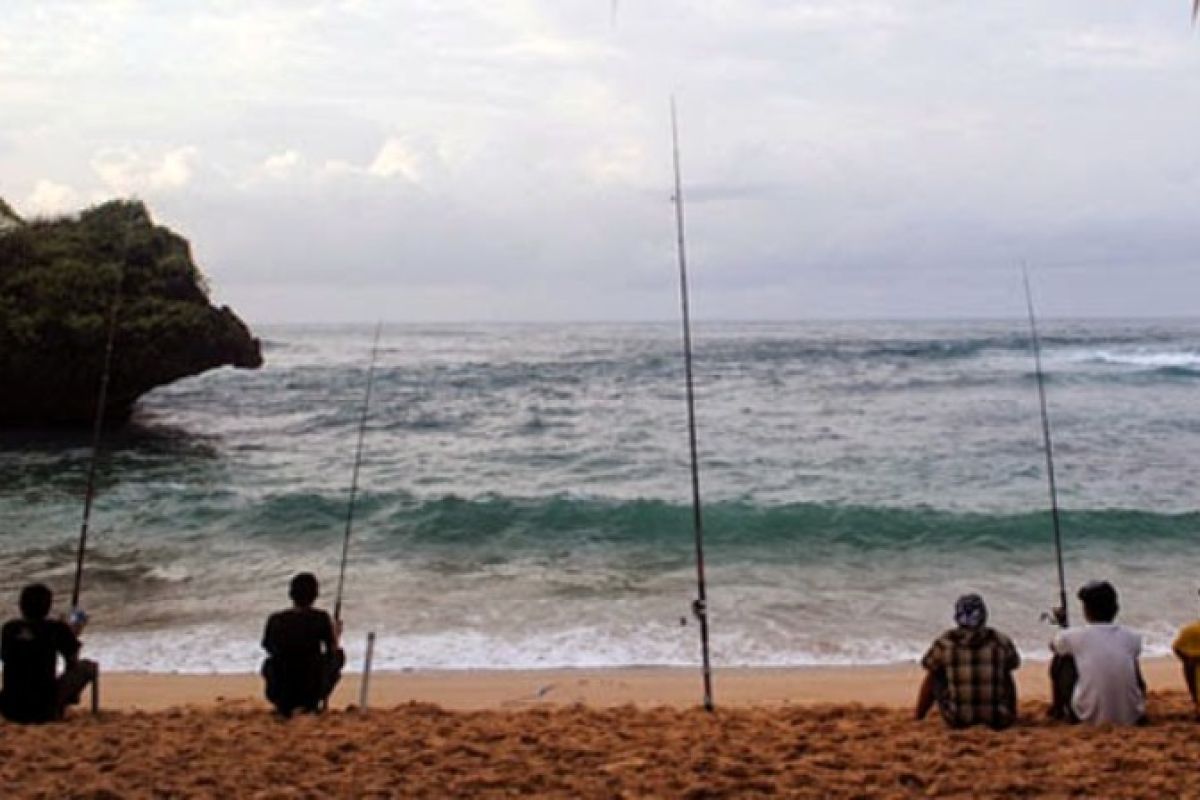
(925, 696)
(332, 639)
(69, 645)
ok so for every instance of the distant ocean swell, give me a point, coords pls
(481, 531)
(735, 527)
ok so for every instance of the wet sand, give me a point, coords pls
(591, 733)
(645, 687)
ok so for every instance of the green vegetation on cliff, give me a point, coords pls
(8, 217)
(59, 280)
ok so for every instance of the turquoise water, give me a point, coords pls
(525, 491)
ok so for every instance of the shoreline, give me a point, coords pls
(889, 686)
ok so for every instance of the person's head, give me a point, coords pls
(1099, 600)
(35, 602)
(970, 612)
(303, 590)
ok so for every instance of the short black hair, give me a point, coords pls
(1099, 600)
(303, 590)
(35, 602)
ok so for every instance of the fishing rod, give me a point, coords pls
(97, 429)
(1060, 613)
(700, 606)
(362, 429)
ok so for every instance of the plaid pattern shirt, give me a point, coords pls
(976, 683)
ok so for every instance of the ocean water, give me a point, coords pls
(525, 498)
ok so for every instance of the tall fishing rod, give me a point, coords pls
(98, 424)
(97, 429)
(700, 606)
(1060, 613)
(362, 429)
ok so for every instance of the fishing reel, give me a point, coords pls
(699, 611)
(1055, 616)
(76, 620)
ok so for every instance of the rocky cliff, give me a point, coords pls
(60, 281)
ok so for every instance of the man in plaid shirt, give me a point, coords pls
(969, 671)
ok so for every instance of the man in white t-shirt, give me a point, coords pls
(1109, 687)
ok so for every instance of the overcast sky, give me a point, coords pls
(510, 159)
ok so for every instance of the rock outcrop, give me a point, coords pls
(60, 281)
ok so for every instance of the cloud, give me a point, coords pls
(396, 160)
(281, 166)
(51, 199)
(556, 51)
(519, 150)
(127, 172)
(623, 162)
(1112, 49)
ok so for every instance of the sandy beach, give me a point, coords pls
(594, 733)
(891, 686)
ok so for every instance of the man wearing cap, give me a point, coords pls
(968, 671)
(1109, 685)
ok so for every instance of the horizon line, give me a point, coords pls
(739, 320)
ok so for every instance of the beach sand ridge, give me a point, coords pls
(236, 749)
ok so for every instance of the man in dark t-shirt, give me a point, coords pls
(30, 648)
(304, 661)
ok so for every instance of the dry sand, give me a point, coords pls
(419, 750)
(527, 735)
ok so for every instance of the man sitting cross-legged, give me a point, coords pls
(1106, 683)
(30, 648)
(969, 671)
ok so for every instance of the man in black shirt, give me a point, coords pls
(304, 661)
(30, 647)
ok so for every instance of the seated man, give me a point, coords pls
(30, 647)
(304, 661)
(1107, 681)
(969, 671)
(1187, 649)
